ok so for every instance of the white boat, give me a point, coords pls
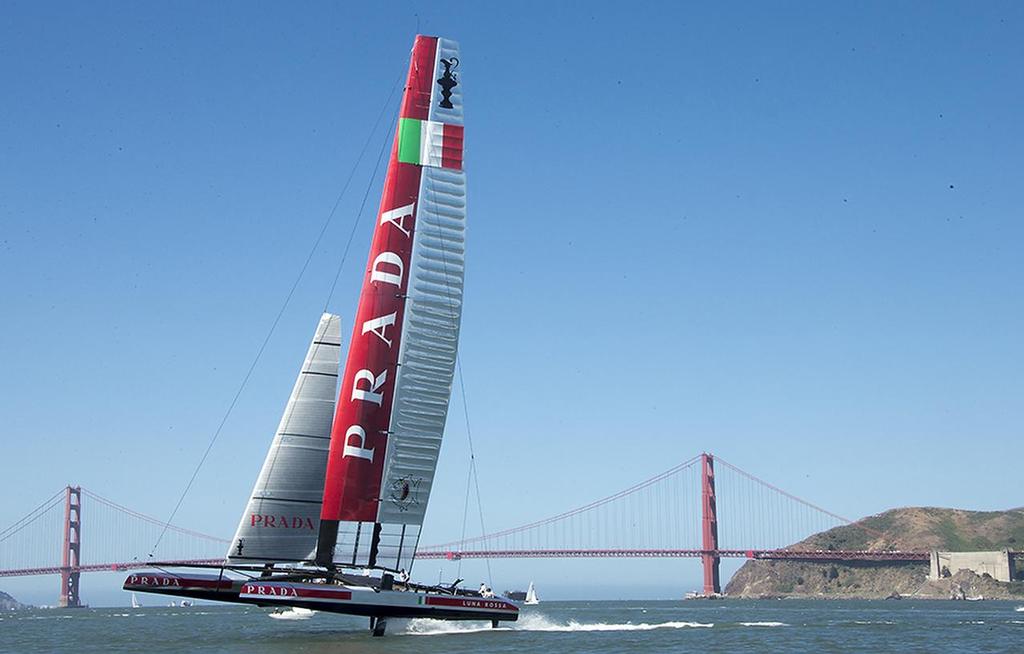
(531, 596)
(135, 602)
(292, 613)
(345, 485)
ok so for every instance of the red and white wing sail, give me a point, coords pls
(398, 376)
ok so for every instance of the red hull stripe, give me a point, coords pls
(169, 581)
(279, 590)
(355, 463)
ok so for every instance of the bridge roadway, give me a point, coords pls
(774, 555)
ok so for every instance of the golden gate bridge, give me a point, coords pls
(704, 508)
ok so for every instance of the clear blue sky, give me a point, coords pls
(787, 234)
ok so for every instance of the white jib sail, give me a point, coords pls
(281, 520)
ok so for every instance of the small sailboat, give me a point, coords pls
(135, 602)
(334, 518)
(531, 596)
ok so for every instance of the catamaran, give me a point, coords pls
(334, 519)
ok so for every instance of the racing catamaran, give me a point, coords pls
(334, 518)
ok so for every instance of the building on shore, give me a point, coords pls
(998, 565)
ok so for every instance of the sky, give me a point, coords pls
(789, 235)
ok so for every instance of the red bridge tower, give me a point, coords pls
(72, 551)
(709, 551)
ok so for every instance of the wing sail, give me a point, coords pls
(398, 376)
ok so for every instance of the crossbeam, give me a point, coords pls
(106, 567)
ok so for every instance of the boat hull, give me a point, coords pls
(329, 598)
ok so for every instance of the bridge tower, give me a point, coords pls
(709, 549)
(71, 557)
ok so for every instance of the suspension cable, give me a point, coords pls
(587, 507)
(797, 499)
(32, 516)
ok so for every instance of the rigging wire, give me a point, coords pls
(472, 470)
(355, 226)
(362, 205)
(277, 319)
(348, 245)
(473, 474)
(465, 516)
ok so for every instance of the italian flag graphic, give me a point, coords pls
(430, 143)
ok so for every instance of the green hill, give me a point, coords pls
(912, 528)
(926, 528)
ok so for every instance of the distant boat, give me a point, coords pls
(975, 598)
(186, 603)
(293, 613)
(531, 595)
(135, 602)
(1019, 609)
(694, 595)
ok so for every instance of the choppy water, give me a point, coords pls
(561, 627)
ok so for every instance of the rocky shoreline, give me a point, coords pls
(774, 579)
(906, 529)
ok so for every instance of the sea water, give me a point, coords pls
(560, 627)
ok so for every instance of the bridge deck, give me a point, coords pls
(790, 555)
(776, 555)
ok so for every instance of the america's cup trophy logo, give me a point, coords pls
(448, 81)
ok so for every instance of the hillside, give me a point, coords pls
(914, 528)
(8, 603)
(926, 528)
